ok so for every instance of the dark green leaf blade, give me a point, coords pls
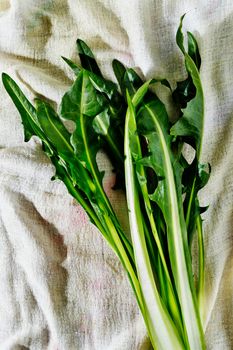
(103, 85)
(185, 90)
(81, 104)
(86, 144)
(82, 97)
(27, 111)
(87, 58)
(193, 50)
(132, 81)
(53, 127)
(25, 108)
(75, 68)
(127, 78)
(194, 178)
(112, 143)
(190, 125)
(119, 71)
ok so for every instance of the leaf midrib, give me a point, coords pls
(19, 99)
(171, 182)
(177, 231)
(57, 130)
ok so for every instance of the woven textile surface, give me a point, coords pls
(61, 286)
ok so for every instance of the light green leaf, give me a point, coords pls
(153, 122)
(161, 329)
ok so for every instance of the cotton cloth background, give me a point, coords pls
(61, 286)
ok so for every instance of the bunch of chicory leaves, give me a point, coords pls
(131, 124)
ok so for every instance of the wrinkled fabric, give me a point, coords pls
(61, 286)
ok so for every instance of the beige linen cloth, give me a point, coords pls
(61, 287)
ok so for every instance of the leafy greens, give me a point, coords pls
(131, 124)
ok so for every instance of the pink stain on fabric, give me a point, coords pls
(77, 217)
